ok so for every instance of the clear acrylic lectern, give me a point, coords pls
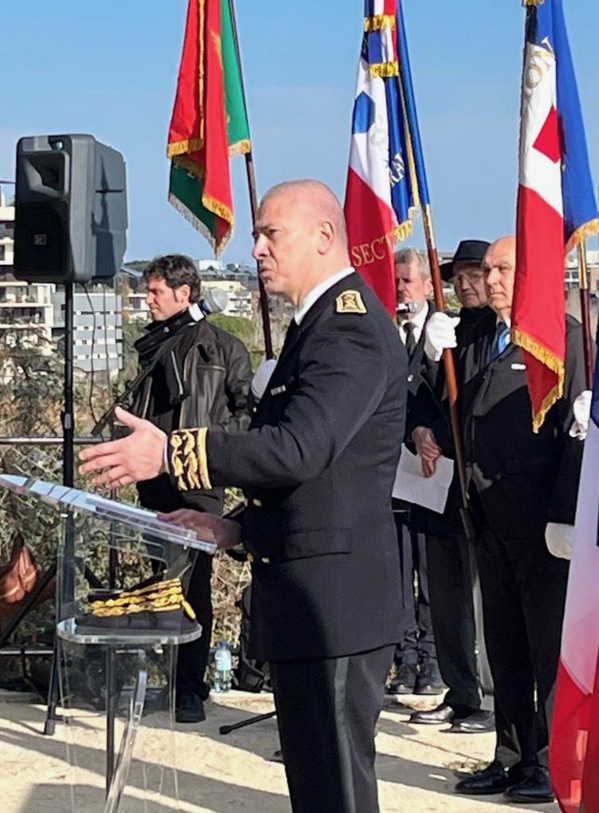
(116, 642)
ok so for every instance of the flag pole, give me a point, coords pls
(585, 313)
(450, 373)
(251, 179)
(416, 164)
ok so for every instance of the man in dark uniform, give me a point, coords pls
(317, 465)
(527, 485)
(451, 569)
(416, 669)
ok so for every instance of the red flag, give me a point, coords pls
(556, 205)
(209, 121)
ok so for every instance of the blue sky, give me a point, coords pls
(109, 68)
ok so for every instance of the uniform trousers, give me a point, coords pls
(416, 641)
(524, 591)
(459, 637)
(327, 712)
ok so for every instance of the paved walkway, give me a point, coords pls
(219, 774)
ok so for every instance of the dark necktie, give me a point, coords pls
(292, 334)
(410, 338)
(500, 341)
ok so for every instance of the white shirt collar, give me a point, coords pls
(195, 312)
(317, 292)
(417, 321)
(419, 318)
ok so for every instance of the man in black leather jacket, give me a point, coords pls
(197, 375)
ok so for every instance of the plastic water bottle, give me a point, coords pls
(222, 663)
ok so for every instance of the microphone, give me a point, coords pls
(407, 307)
(215, 300)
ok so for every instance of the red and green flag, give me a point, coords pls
(209, 122)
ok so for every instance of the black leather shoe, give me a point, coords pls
(477, 722)
(437, 716)
(189, 708)
(429, 679)
(404, 681)
(492, 779)
(534, 789)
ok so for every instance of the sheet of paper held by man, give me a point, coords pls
(411, 484)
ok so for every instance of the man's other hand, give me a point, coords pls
(139, 456)
(225, 533)
(559, 539)
(428, 449)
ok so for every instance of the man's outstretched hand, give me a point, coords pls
(117, 463)
(225, 533)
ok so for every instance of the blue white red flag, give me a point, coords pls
(386, 180)
(574, 744)
(556, 200)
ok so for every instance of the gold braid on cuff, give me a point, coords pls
(187, 460)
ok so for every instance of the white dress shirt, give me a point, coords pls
(418, 321)
(317, 292)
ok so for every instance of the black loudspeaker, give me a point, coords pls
(70, 209)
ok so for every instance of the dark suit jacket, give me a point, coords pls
(418, 376)
(318, 465)
(474, 335)
(524, 479)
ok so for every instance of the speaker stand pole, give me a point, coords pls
(66, 578)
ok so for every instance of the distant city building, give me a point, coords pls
(97, 329)
(7, 232)
(26, 311)
(210, 265)
(573, 273)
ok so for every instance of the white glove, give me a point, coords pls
(559, 539)
(582, 415)
(439, 335)
(262, 377)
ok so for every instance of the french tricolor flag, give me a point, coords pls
(386, 180)
(556, 201)
(556, 210)
(574, 746)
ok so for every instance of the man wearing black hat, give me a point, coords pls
(450, 561)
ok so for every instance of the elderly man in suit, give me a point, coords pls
(451, 570)
(317, 466)
(527, 486)
(416, 668)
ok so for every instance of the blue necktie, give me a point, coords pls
(500, 341)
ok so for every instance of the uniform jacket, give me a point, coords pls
(318, 466)
(524, 479)
(214, 371)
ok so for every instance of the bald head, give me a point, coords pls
(499, 266)
(300, 238)
(317, 201)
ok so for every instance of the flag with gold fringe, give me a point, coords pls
(556, 201)
(386, 181)
(209, 122)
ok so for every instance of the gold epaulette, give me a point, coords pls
(350, 302)
(157, 597)
(187, 459)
